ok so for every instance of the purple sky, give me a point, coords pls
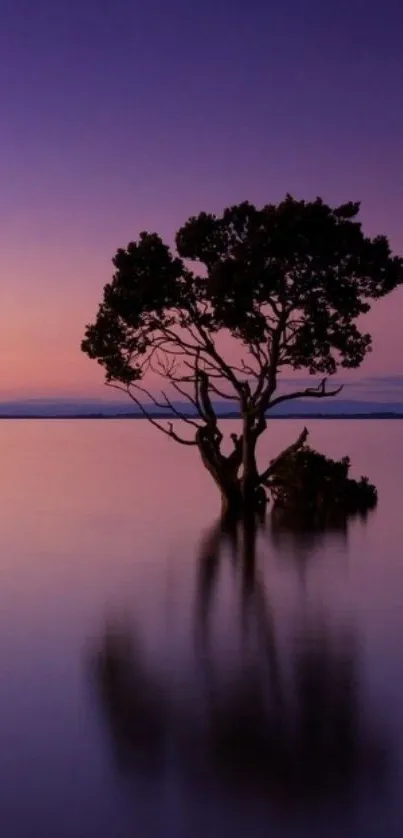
(119, 115)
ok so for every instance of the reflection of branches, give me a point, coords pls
(301, 545)
(131, 699)
(286, 723)
(293, 541)
(315, 745)
(212, 545)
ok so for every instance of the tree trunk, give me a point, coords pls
(239, 496)
(229, 487)
(253, 494)
(249, 469)
(224, 471)
(231, 503)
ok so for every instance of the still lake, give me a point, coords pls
(153, 683)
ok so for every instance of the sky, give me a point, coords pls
(119, 116)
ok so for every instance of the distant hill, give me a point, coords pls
(102, 409)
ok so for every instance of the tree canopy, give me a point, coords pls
(286, 283)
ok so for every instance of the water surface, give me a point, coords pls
(159, 679)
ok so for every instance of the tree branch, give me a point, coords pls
(223, 395)
(318, 392)
(274, 361)
(185, 394)
(167, 403)
(223, 366)
(263, 478)
(208, 411)
(167, 431)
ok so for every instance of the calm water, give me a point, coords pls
(154, 683)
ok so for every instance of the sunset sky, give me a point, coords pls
(119, 116)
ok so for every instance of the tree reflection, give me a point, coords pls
(285, 721)
(303, 539)
(300, 544)
(296, 739)
(133, 700)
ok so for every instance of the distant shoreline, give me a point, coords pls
(170, 417)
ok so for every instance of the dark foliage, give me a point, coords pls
(313, 487)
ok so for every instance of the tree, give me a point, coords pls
(285, 285)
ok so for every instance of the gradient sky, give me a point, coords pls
(118, 116)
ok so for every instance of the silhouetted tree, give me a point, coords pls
(286, 283)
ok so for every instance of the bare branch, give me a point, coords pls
(274, 464)
(211, 350)
(260, 356)
(318, 392)
(260, 383)
(223, 395)
(166, 403)
(185, 395)
(197, 391)
(274, 361)
(211, 369)
(274, 308)
(249, 370)
(179, 413)
(167, 431)
(200, 342)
